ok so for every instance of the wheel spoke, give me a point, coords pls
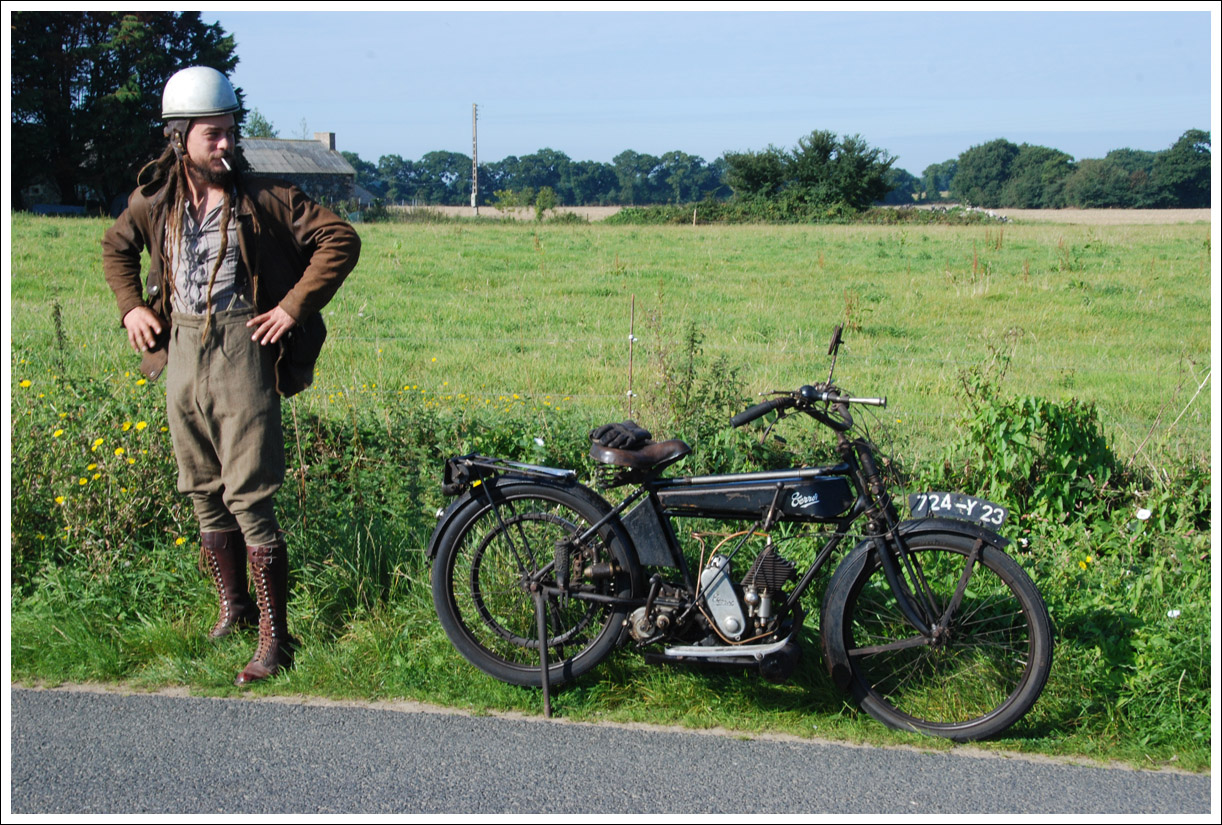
(482, 578)
(985, 661)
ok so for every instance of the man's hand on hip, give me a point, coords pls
(142, 327)
(271, 326)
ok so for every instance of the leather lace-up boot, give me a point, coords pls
(224, 556)
(269, 571)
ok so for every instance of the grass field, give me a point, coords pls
(1084, 217)
(472, 314)
(478, 335)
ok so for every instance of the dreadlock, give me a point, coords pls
(168, 172)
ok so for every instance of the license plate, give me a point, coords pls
(957, 505)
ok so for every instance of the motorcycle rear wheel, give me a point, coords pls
(487, 557)
(980, 678)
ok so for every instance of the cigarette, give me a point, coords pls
(228, 168)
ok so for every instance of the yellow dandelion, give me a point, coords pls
(83, 481)
(180, 540)
(98, 442)
(141, 382)
(119, 451)
(26, 382)
(1082, 564)
(127, 425)
(92, 467)
(140, 425)
(59, 499)
(96, 476)
(57, 433)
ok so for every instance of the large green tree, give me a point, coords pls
(86, 94)
(821, 171)
(905, 187)
(982, 172)
(937, 178)
(636, 174)
(1097, 184)
(257, 126)
(1182, 172)
(366, 173)
(591, 182)
(1037, 174)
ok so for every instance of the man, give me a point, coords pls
(238, 270)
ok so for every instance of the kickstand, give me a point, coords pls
(541, 620)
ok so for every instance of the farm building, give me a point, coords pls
(313, 165)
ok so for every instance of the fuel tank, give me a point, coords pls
(799, 499)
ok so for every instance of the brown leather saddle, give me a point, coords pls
(636, 457)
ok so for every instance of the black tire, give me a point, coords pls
(484, 559)
(978, 682)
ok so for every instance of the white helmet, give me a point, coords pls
(199, 91)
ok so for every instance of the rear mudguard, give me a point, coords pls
(476, 496)
(860, 555)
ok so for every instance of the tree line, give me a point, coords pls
(822, 169)
(1002, 174)
(86, 91)
(444, 178)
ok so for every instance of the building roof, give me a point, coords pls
(272, 156)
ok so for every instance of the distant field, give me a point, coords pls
(1108, 217)
(1087, 217)
(469, 314)
(523, 213)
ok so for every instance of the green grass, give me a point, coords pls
(476, 314)
(458, 336)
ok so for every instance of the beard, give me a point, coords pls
(209, 175)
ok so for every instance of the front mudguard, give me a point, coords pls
(838, 667)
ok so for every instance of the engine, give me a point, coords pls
(764, 583)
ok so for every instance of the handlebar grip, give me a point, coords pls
(760, 410)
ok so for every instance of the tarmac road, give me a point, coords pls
(79, 752)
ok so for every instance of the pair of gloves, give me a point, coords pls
(627, 435)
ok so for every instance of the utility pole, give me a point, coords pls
(474, 161)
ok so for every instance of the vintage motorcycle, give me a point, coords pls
(930, 625)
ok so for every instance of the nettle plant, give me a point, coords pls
(1043, 458)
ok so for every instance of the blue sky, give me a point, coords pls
(922, 85)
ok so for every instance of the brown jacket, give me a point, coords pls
(296, 253)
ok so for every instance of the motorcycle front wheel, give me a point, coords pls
(977, 676)
(489, 555)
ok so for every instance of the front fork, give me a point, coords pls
(902, 570)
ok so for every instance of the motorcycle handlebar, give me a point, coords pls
(810, 395)
(760, 410)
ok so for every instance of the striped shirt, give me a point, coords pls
(193, 263)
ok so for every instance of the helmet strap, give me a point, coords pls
(176, 130)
